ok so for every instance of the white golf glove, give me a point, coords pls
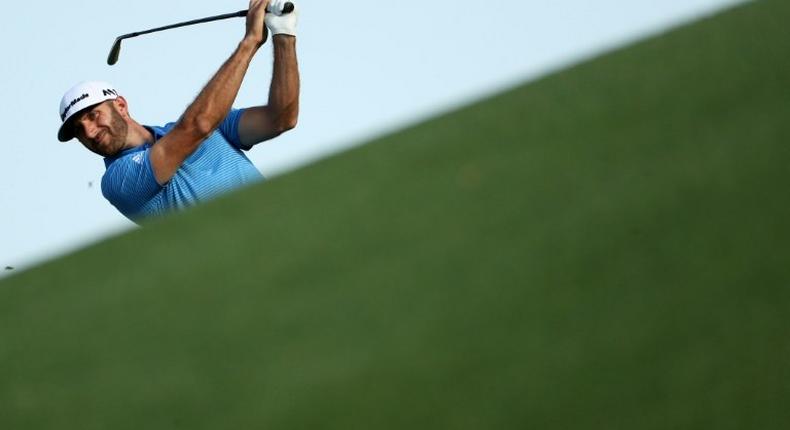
(279, 23)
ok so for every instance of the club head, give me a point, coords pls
(114, 52)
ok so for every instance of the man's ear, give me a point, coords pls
(121, 106)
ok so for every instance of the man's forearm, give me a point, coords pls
(284, 89)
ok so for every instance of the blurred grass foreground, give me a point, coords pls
(604, 248)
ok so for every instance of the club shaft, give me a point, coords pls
(112, 58)
(242, 13)
(186, 23)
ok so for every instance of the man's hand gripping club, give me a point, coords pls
(256, 30)
(279, 22)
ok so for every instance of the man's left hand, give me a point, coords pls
(280, 23)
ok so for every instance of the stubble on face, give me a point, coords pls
(115, 132)
(119, 130)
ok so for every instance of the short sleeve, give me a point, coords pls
(230, 128)
(129, 183)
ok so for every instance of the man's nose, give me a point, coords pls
(89, 129)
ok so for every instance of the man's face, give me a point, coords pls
(101, 128)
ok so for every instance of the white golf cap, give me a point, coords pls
(79, 97)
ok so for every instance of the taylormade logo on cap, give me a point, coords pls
(71, 105)
(79, 97)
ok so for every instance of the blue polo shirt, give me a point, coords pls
(218, 165)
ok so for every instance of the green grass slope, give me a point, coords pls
(605, 248)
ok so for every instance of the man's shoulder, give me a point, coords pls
(160, 130)
(227, 129)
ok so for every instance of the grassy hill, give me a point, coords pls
(605, 248)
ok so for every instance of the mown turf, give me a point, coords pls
(605, 248)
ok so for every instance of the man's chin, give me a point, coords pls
(108, 151)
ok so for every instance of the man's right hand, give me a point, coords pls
(256, 30)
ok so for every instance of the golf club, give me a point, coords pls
(116, 46)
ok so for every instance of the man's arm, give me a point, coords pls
(282, 111)
(261, 123)
(213, 103)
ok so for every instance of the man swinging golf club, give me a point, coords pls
(153, 170)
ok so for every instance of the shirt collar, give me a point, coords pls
(157, 132)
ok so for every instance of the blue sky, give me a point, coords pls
(367, 68)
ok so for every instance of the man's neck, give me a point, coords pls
(138, 136)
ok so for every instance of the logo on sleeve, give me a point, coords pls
(138, 158)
